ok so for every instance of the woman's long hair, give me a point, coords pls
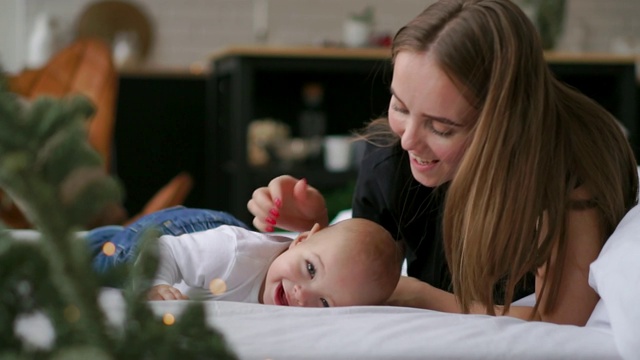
(535, 141)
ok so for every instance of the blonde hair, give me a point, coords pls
(535, 141)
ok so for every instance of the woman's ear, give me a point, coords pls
(304, 235)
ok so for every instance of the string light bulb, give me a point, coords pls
(109, 248)
(168, 319)
(217, 286)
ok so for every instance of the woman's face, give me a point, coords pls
(431, 117)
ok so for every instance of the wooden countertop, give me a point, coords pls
(199, 70)
(384, 53)
(304, 51)
(164, 72)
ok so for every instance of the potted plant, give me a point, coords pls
(548, 17)
(358, 27)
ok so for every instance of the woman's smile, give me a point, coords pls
(421, 163)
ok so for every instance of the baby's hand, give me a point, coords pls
(165, 292)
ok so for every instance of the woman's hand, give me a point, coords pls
(165, 292)
(287, 203)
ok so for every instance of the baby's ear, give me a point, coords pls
(300, 238)
(304, 235)
(314, 229)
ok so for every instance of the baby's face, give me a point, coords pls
(319, 271)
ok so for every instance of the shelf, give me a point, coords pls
(256, 82)
(318, 52)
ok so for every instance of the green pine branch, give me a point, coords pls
(48, 168)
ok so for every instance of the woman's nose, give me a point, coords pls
(410, 136)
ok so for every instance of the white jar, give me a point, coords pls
(42, 42)
(356, 33)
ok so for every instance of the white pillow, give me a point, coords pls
(615, 275)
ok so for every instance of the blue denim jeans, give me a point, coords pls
(175, 221)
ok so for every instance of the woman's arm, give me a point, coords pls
(412, 292)
(575, 299)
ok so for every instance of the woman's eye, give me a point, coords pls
(325, 303)
(399, 109)
(440, 129)
(311, 269)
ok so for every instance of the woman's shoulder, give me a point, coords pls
(381, 158)
(581, 198)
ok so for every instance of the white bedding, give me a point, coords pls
(272, 332)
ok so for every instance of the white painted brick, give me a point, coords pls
(189, 30)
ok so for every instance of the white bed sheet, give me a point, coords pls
(257, 331)
(382, 332)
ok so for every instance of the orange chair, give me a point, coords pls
(86, 67)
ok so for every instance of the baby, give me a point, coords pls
(353, 262)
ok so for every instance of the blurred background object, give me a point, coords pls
(85, 67)
(43, 41)
(189, 31)
(123, 25)
(358, 28)
(548, 16)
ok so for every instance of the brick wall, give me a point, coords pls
(188, 31)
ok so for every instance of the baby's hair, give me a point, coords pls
(375, 252)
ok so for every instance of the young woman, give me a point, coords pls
(499, 179)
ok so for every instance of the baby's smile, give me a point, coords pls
(280, 296)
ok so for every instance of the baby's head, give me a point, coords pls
(353, 262)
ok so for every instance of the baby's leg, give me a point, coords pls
(174, 221)
(96, 238)
(193, 220)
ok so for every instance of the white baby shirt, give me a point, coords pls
(239, 257)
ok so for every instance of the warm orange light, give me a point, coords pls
(109, 248)
(217, 286)
(168, 319)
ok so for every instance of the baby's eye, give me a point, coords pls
(325, 303)
(311, 269)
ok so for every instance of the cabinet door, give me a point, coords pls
(247, 89)
(159, 132)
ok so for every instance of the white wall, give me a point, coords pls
(12, 30)
(188, 31)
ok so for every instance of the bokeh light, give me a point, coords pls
(168, 319)
(217, 286)
(109, 248)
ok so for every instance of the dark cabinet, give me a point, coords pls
(253, 83)
(246, 86)
(159, 132)
(611, 81)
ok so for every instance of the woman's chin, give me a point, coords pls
(427, 180)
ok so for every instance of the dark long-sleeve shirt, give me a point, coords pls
(387, 193)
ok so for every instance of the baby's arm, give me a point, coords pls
(167, 274)
(193, 260)
(165, 292)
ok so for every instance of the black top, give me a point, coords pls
(387, 193)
